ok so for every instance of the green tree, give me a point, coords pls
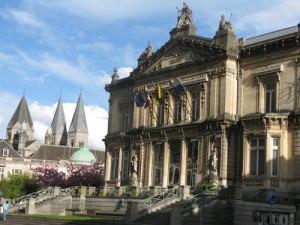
(17, 185)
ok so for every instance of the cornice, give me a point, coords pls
(270, 47)
(217, 52)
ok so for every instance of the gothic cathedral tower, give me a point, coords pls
(78, 131)
(20, 127)
(57, 132)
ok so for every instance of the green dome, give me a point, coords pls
(83, 155)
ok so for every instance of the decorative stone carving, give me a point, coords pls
(115, 76)
(185, 16)
(224, 25)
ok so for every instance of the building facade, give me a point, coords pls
(221, 110)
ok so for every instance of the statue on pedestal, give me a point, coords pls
(133, 170)
(185, 16)
(213, 166)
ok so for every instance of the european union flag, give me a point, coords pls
(140, 99)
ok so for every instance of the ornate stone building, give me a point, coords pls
(222, 110)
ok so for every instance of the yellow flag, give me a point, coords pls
(159, 93)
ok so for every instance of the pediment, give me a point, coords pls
(178, 52)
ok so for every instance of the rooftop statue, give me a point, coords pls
(185, 16)
(147, 53)
(224, 25)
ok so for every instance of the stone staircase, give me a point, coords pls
(159, 217)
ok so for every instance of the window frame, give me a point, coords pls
(275, 160)
(195, 105)
(177, 109)
(114, 165)
(257, 157)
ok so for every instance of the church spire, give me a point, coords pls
(78, 131)
(58, 127)
(20, 127)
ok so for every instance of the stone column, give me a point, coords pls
(82, 191)
(200, 161)
(224, 157)
(30, 206)
(131, 212)
(183, 161)
(141, 173)
(185, 191)
(107, 166)
(297, 91)
(149, 164)
(166, 164)
(119, 168)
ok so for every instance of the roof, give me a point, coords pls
(58, 152)
(21, 115)
(79, 119)
(12, 153)
(271, 36)
(83, 155)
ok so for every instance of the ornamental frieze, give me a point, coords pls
(268, 69)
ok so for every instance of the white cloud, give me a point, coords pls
(8, 105)
(105, 78)
(26, 19)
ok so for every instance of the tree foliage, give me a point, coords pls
(76, 175)
(49, 176)
(17, 185)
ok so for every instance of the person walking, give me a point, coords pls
(5, 209)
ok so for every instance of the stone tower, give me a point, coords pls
(78, 131)
(20, 127)
(57, 132)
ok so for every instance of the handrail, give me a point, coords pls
(202, 197)
(163, 196)
(36, 195)
(42, 196)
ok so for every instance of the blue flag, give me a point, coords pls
(140, 99)
(179, 88)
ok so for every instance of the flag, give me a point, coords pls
(159, 93)
(148, 100)
(177, 84)
(140, 99)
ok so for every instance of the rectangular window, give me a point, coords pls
(177, 109)
(16, 171)
(257, 156)
(175, 152)
(125, 165)
(195, 105)
(192, 152)
(126, 120)
(114, 165)
(270, 97)
(160, 114)
(159, 154)
(158, 163)
(275, 156)
(5, 152)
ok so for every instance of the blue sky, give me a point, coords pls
(62, 47)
